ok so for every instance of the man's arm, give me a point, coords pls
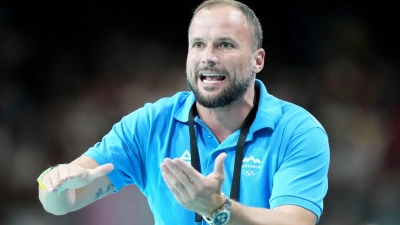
(282, 215)
(85, 181)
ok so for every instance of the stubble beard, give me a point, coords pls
(230, 95)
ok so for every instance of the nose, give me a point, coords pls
(209, 57)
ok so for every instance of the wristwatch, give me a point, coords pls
(222, 215)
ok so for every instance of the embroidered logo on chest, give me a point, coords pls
(250, 166)
(186, 157)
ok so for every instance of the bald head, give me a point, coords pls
(251, 19)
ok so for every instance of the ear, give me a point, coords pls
(258, 60)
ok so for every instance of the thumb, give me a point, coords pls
(100, 171)
(219, 164)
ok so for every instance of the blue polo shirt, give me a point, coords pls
(286, 155)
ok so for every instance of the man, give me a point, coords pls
(226, 153)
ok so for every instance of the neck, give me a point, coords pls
(226, 120)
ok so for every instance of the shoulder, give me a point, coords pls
(163, 108)
(296, 115)
(279, 114)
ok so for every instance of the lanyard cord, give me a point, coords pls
(195, 159)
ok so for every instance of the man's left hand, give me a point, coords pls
(194, 191)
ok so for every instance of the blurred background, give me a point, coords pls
(69, 71)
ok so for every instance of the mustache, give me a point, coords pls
(209, 68)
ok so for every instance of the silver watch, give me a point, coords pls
(222, 215)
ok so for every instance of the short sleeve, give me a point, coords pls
(121, 147)
(301, 178)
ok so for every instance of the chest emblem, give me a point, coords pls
(250, 166)
(186, 157)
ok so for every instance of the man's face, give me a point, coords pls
(219, 61)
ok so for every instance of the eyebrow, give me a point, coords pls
(221, 39)
(197, 39)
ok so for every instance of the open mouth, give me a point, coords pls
(211, 78)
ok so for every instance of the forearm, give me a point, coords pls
(57, 204)
(286, 215)
(83, 186)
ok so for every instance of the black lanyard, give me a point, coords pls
(195, 159)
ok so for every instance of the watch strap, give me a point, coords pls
(225, 207)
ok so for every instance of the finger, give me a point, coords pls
(219, 165)
(46, 181)
(191, 174)
(100, 171)
(63, 176)
(174, 184)
(183, 174)
(63, 173)
(50, 181)
(171, 186)
(55, 180)
(76, 172)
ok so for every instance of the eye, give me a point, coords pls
(198, 45)
(226, 45)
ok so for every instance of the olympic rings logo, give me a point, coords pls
(249, 173)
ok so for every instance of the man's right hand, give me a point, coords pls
(85, 181)
(73, 176)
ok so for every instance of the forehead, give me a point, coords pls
(219, 20)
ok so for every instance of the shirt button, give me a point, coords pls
(209, 135)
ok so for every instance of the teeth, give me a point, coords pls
(211, 81)
(210, 75)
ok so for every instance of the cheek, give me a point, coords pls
(193, 56)
(191, 62)
(238, 64)
(190, 68)
(189, 59)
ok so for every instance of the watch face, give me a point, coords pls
(221, 218)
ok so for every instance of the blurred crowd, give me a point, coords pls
(347, 83)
